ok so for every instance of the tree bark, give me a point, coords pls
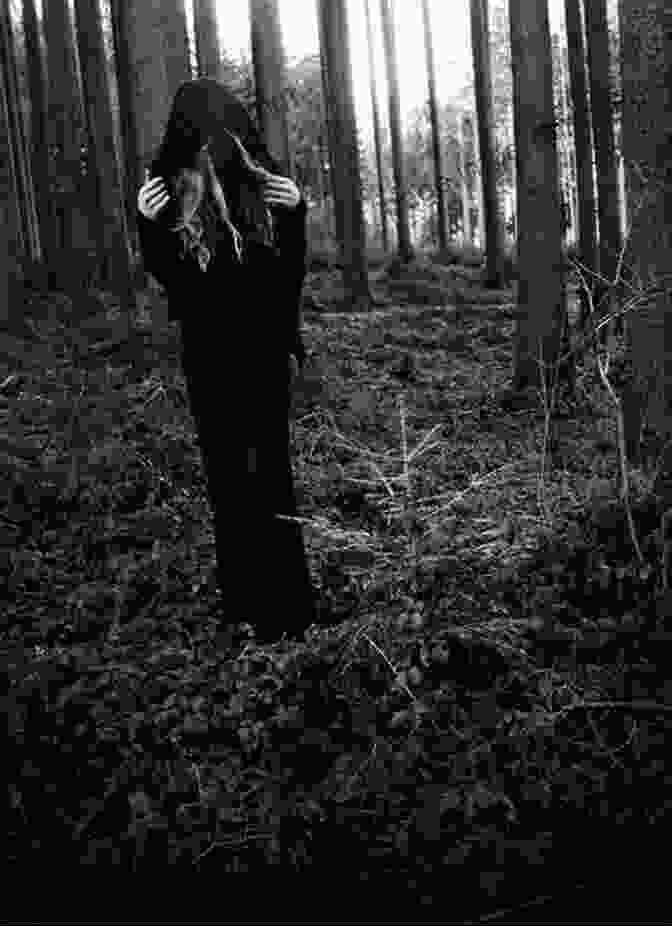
(175, 43)
(646, 61)
(208, 52)
(112, 231)
(270, 79)
(18, 144)
(67, 141)
(334, 176)
(344, 153)
(442, 221)
(401, 193)
(377, 129)
(464, 186)
(541, 310)
(151, 98)
(11, 233)
(492, 222)
(605, 155)
(39, 152)
(132, 177)
(583, 145)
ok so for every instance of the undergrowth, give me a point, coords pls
(495, 676)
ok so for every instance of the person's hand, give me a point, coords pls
(281, 191)
(294, 370)
(153, 197)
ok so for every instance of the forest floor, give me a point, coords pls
(483, 726)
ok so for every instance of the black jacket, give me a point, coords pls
(280, 275)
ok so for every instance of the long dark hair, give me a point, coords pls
(208, 125)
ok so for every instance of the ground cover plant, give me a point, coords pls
(487, 712)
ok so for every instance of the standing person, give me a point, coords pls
(225, 234)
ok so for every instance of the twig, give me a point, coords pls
(623, 459)
(404, 445)
(230, 844)
(644, 705)
(603, 368)
(392, 667)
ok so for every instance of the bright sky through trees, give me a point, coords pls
(450, 21)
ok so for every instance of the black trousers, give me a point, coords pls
(240, 407)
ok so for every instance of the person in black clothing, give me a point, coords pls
(225, 234)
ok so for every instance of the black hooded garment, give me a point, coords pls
(239, 324)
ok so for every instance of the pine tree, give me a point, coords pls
(542, 314)
(494, 232)
(270, 78)
(401, 192)
(344, 148)
(112, 231)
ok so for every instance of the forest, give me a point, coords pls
(481, 441)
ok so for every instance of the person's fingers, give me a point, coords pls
(154, 197)
(161, 204)
(157, 201)
(281, 201)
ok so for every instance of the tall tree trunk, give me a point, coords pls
(442, 221)
(340, 106)
(112, 230)
(176, 43)
(401, 193)
(270, 78)
(151, 98)
(377, 130)
(11, 232)
(541, 310)
(464, 185)
(605, 156)
(39, 151)
(646, 62)
(334, 167)
(130, 159)
(583, 145)
(208, 52)
(492, 221)
(5, 293)
(67, 140)
(19, 147)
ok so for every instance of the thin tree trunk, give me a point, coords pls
(605, 155)
(541, 311)
(335, 180)
(176, 43)
(377, 130)
(403, 229)
(67, 139)
(19, 146)
(464, 186)
(11, 232)
(270, 78)
(583, 146)
(151, 98)
(132, 178)
(208, 52)
(39, 151)
(442, 221)
(646, 67)
(335, 48)
(493, 242)
(5, 310)
(112, 229)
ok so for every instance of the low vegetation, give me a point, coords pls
(489, 706)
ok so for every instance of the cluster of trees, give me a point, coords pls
(85, 87)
